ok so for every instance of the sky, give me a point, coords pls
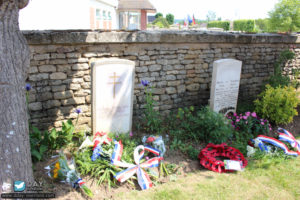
(226, 9)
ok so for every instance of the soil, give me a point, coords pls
(184, 166)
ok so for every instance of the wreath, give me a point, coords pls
(208, 156)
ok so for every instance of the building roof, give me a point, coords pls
(128, 5)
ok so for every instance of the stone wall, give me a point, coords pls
(178, 65)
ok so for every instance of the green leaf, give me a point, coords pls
(36, 154)
(53, 134)
(43, 149)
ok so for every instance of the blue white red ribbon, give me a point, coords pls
(265, 139)
(143, 178)
(286, 136)
(152, 150)
(79, 183)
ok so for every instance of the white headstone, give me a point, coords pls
(225, 85)
(112, 95)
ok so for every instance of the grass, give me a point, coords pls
(266, 178)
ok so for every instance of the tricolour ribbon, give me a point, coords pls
(286, 136)
(275, 142)
(101, 138)
(143, 178)
(79, 183)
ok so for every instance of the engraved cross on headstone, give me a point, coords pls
(114, 82)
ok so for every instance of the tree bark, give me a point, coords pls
(15, 156)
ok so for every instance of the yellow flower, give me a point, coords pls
(55, 170)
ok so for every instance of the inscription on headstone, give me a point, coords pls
(112, 95)
(225, 85)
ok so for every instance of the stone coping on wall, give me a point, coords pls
(184, 36)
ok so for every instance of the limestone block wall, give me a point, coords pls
(178, 64)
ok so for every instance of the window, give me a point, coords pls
(98, 14)
(104, 14)
(129, 20)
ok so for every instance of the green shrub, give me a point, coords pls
(262, 25)
(219, 24)
(277, 104)
(161, 22)
(205, 125)
(244, 25)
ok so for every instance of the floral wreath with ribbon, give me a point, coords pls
(208, 156)
(137, 168)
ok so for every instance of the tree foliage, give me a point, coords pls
(157, 15)
(285, 17)
(170, 18)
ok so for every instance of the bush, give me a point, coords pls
(244, 25)
(205, 125)
(219, 24)
(277, 104)
(161, 22)
(262, 25)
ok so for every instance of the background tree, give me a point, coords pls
(211, 16)
(285, 16)
(157, 15)
(15, 157)
(170, 18)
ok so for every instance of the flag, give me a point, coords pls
(194, 21)
(189, 19)
(185, 22)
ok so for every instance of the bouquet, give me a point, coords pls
(62, 171)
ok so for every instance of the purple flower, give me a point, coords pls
(262, 123)
(147, 158)
(237, 120)
(245, 117)
(235, 114)
(28, 87)
(117, 136)
(145, 83)
(254, 114)
(130, 134)
(78, 110)
(248, 114)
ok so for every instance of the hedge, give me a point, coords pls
(244, 25)
(219, 24)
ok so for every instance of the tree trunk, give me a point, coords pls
(15, 156)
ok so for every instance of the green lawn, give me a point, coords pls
(262, 179)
